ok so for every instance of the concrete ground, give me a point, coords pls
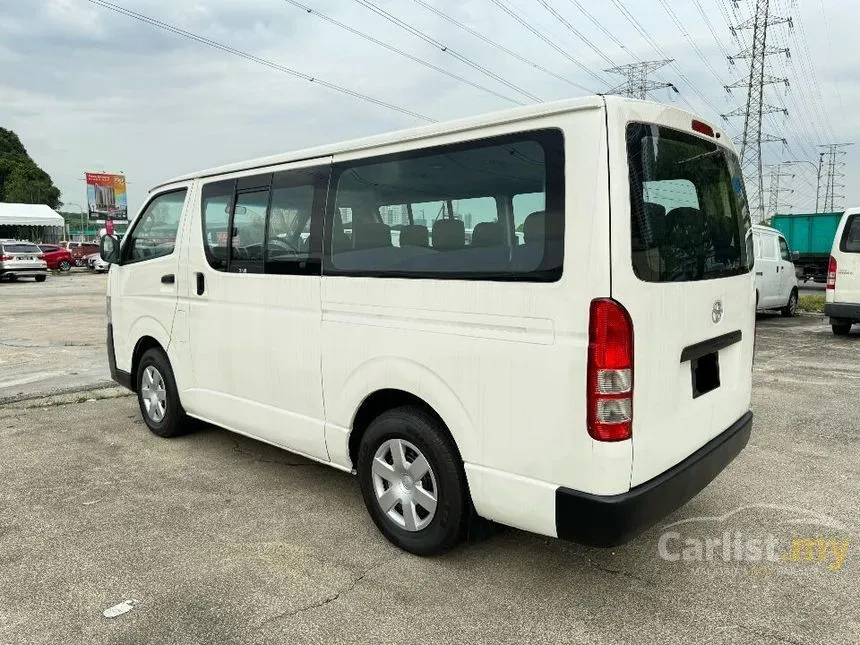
(222, 539)
(52, 334)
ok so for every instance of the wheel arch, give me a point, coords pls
(144, 344)
(386, 383)
(381, 401)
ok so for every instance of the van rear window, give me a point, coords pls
(689, 216)
(851, 237)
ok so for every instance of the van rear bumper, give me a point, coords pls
(610, 520)
(119, 376)
(842, 311)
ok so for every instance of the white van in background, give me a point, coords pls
(775, 279)
(582, 381)
(842, 299)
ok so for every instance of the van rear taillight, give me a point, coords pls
(831, 273)
(610, 371)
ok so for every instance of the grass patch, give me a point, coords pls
(813, 303)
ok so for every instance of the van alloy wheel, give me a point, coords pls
(153, 394)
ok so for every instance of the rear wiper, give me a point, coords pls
(701, 156)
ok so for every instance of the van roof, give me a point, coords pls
(416, 134)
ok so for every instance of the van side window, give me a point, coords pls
(293, 241)
(217, 204)
(851, 237)
(769, 248)
(783, 250)
(445, 212)
(249, 231)
(154, 233)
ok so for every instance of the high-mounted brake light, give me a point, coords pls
(831, 274)
(610, 372)
(703, 128)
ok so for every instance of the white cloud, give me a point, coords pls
(87, 89)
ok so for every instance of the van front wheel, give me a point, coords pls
(413, 483)
(158, 397)
(790, 308)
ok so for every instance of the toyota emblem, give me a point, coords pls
(717, 312)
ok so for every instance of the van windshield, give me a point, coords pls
(689, 215)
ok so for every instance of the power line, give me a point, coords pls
(546, 5)
(662, 54)
(442, 47)
(501, 47)
(256, 59)
(400, 52)
(603, 29)
(525, 23)
(690, 40)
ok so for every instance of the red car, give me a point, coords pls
(57, 257)
(80, 251)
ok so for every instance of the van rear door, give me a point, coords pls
(681, 265)
(846, 251)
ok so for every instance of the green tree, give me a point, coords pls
(21, 179)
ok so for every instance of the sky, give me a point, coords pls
(88, 89)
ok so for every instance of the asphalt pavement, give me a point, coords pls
(222, 539)
(52, 335)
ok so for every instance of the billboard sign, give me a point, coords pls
(106, 197)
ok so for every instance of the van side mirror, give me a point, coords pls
(795, 256)
(109, 249)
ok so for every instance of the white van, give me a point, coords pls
(775, 279)
(842, 297)
(581, 384)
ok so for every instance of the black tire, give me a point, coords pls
(841, 328)
(174, 421)
(41, 278)
(13, 278)
(790, 308)
(453, 513)
(64, 266)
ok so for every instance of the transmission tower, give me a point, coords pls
(834, 153)
(638, 85)
(753, 137)
(777, 174)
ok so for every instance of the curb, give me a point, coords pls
(20, 398)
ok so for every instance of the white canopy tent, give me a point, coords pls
(36, 222)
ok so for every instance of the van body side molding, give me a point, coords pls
(692, 352)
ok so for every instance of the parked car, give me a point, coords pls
(80, 251)
(20, 259)
(96, 263)
(775, 281)
(842, 296)
(57, 258)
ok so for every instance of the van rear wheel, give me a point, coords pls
(841, 328)
(158, 397)
(413, 483)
